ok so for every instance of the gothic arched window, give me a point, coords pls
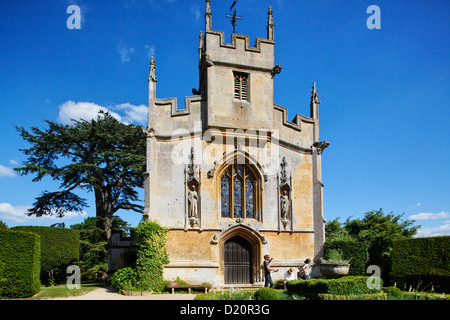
(237, 192)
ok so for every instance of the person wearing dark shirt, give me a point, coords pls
(267, 269)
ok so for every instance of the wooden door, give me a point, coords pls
(238, 261)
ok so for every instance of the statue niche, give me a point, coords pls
(192, 185)
(285, 207)
(192, 205)
(284, 196)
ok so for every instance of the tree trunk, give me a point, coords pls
(103, 214)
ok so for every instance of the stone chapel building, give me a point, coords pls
(230, 176)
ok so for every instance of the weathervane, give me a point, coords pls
(233, 17)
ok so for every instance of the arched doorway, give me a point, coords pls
(238, 261)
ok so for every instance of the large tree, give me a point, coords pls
(103, 156)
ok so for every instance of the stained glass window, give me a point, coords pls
(237, 198)
(249, 196)
(225, 196)
(237, 191)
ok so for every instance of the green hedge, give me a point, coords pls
(422, 263)
(349, 286)
(59, 249)
(352, 249)
(19, 264)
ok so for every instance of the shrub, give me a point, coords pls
(393, 292)
(59, 249)
(422, 262)
(19, 264)
(151, 256)
(279, 284)
(335, 257)
(124, 279)
(350, 285)
(265, 294)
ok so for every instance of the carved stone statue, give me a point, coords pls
(285, 204)
(192, 203)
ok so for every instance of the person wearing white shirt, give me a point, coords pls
(288, 275)
(305, 269)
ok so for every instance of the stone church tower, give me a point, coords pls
(229, 175)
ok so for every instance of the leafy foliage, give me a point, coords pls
(93, 246)
(124, 279)
(266, 294)
(93, 252)
(378, 231)
(335, 257)
(151, 238)
(103, 156)
(3, 225)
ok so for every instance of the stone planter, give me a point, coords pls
(334, 270)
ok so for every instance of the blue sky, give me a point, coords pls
(385, 92)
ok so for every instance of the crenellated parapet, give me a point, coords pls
(236, 90)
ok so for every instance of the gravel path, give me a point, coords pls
(108, 294)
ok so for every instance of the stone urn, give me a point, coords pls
(334, 270)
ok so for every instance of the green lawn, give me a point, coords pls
(62, 290)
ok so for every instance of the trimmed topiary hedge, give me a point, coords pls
(422, 263)
(19, 264)
(59, 249)
(348, 286)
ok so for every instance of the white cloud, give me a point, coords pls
(150, 50)
(133, 114)
(124, 53)
(195, 10)
(6, 172)
(443, 230)
(430, 215)
(129, 113)
(18, 214)
(81, 110)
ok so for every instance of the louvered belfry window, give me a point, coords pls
(241, 90)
